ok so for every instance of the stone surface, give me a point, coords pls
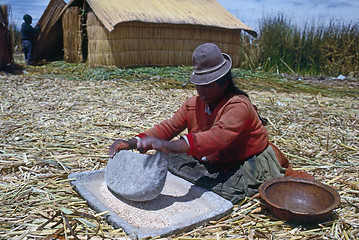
(135, 176)
(180, 207)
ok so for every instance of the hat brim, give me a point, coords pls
(210, 77)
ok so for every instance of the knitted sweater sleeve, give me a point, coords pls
(170, 128)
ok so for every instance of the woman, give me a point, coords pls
(226, 149)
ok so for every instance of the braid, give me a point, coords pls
(231, 87)
(233, 90)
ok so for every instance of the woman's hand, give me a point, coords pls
(177, 146)
(120, 144)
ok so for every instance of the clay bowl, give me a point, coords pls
(299, 200)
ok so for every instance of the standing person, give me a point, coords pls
(226, 149)
(28, 35)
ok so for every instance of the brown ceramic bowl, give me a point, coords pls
(299, 200)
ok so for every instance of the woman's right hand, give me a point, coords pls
(117, 146)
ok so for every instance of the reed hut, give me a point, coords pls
(49, 44)
(6, 50)
(151, 32)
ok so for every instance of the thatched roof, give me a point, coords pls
(196, 12)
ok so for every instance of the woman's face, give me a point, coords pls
(211, 93)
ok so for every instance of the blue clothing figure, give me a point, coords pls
(28, 35)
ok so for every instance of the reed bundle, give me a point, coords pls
(53, 125)
(6, 50)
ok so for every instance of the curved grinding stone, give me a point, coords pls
(137, 177)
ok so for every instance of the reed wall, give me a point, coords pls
(72, 35)
(139, 43)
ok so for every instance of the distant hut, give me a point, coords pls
(6, 50)
(151, 32)
(138, 32)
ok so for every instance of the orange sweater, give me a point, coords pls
(232, 133)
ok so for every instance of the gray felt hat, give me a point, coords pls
(210, 64)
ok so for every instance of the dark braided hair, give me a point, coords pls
(231, 87)
(233, 90)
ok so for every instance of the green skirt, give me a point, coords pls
(244, 180)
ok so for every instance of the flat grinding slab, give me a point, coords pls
(180, 207)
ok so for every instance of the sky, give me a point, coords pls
(250, 12)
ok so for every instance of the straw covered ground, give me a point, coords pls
(59, 118)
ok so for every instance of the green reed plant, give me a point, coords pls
(285, 47)
(273, 43)
(340, 48)
(249, 55)
(311, 49)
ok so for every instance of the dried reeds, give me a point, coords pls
(52, 126)
(6, 50)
